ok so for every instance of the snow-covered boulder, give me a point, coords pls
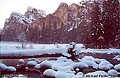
(90, 58)
(117, 67)
(97, 73)
(21, 61)
(62, 59)
(113, 72)
(31, 59)
(3, 67)
(104, 67)
(60, 74)
(77, 69)
(70, 71)
(79, 65)
(98, 61)
(64, 68)
(90, 63)
(37, 66)
(78, 75)
(49, 73)
(110, 65)
(11, 69)
(47, 63)
(44, 65)
(32, 63)
(37, 60)
(117, 57)
(104, 63)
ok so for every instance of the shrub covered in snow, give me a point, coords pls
(79, 65)
(78, 75)
(11, 69)
(97, 73)
(62, 59)
(61, 74)
(117, 67)
(37, 60)
(49, 73)
(32, 63)
(21, 61)
(90, 58)
(44, 65)
(105, 65)
(113, 72)
(3, 67)
(117, 57)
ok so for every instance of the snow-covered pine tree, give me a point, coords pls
(110, 20)
(97, 32)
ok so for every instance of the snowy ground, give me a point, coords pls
(14, 49)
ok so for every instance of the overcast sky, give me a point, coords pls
(20, 6)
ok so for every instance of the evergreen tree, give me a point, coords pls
(97, 32)
(110, 20)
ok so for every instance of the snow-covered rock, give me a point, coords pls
(70, 71)
(117, 67)
(77, 69)
(62, 59)
(104, 67)
(44, 66)
(113, 72)
(110, 65)
(61, 74)
(49, 72)
(37, 60)
(78, 75)
(21, 61)
(37, 66)
(3, 67)
(47, 63)
(11, 69)
(79, 65)
(97, 60)
(104, 63)
(117, 57)
(97, 73)
(90, 58)
(32, 63)
(64, 68)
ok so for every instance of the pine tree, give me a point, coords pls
(97, 32)
(111, 22)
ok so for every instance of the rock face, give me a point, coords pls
(34, 14)
(17, 24)
(14, 25)
(45, 29)
(62, 12)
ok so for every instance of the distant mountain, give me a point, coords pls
(90, 22)
(17, 23)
